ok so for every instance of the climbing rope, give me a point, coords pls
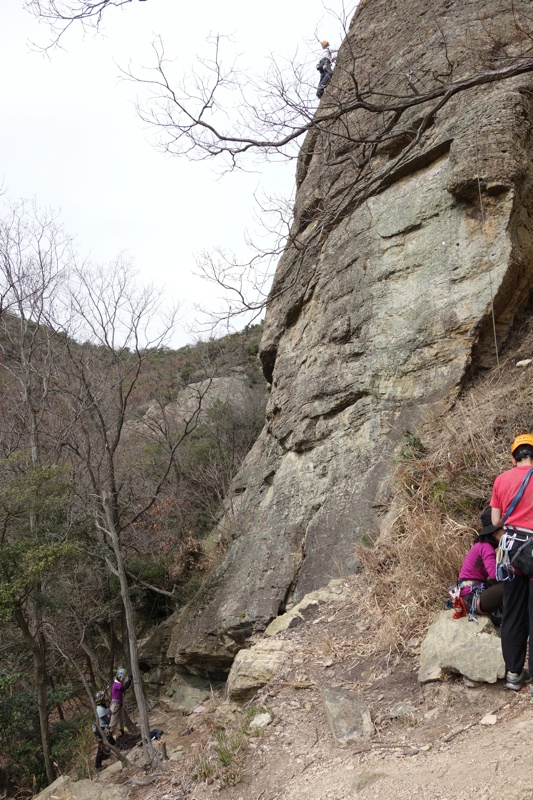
(483, 234)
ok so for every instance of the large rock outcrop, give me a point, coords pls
(382, 302)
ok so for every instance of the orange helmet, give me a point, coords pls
(524, 438)
(325, 43)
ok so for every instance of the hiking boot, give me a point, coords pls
(515, 681)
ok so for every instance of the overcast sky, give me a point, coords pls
(70, 136)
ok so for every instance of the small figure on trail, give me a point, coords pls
(512, 508)
(104, 718)
(477, 591)
(120, 685)
(325, 67)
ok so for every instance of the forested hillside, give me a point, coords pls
(115, 454)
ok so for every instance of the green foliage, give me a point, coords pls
(52, 558)
(229, 745)
(34, 518)
(65, 736)
(32, 488)
(20, 740)
(234, 350)
(411, 447)
(191, 586)
(204, 769)
(151, 606)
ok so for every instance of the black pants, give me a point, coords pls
(325, 76)
(491, 598)
(517, 623)
(103, 751)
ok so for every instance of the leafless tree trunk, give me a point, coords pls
(40, 679)
(104, 439)
(119, 569)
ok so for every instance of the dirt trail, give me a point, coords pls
(448, 750)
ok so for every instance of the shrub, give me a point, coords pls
(441, 482)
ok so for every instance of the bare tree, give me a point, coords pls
(220, 111)
(74, 345)
(84, 439)
(110, 447)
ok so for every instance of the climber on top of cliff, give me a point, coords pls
(325, 66)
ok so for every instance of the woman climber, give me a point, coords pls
(477, 590)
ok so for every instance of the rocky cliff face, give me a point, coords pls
(412, 226)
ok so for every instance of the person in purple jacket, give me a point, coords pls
(477, 578)
(121, 683)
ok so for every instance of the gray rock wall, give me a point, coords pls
(381, 304)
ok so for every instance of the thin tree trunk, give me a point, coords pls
(90, 672)
(39, 670)
(59, 707)
(151, 754)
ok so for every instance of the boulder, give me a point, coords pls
(64, 788)
(472, 649)
(153, 649)
(228, 714)
(255, 667)
(58, 787)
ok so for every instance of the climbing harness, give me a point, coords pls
(466, 605)
(513, 553)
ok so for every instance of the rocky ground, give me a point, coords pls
(444, 740)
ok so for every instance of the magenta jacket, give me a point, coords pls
(479, 563)
(117, 693)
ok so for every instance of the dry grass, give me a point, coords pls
(223, 759)
(440, 485)
(84, 753)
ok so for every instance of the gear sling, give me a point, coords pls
(516, 545)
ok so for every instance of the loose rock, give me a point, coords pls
(348, 716)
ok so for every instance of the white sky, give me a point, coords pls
(71, 139)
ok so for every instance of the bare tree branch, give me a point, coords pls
(62, 14)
